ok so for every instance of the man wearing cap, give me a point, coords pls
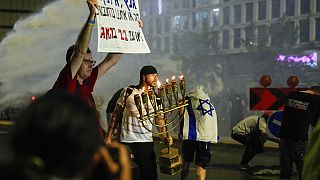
(134, 133)
(301, 109)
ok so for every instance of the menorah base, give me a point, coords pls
(170, 161)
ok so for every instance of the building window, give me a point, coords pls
(195, 3)
(158, 25)
(290, 6)
(275, 8)
(151, 12)
(226, 15)
(250, 36)
(150, 27)
(176, 4)
(263, 35)
(196, 20)
(143, 8)
(215, 2)
(304, 30)
(205, 20)
(249, 12)
(305, 7)
(185, 4)
(167, 43)
(262, 10)
(225, 39)
(317, 29)
(185, 22)
(167, 24)
(176, 22)
(206, 3)
(159, 43)
(274, 35)
(160, 7)
(215, 16)
(237, 38)
(237, 14)
(154, 44)
(318, 5)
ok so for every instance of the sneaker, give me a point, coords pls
(245, 167)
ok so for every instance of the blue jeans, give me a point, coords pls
(291, 152)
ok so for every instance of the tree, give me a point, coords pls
(199, 54)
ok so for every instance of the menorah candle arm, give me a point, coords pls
(165, 137)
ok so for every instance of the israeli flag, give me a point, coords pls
(200, 118)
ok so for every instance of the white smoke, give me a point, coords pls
(33, 54)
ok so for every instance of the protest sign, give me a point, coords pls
(118, 27)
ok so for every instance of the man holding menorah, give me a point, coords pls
(135, 133)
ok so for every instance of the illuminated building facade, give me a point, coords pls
(232, 19)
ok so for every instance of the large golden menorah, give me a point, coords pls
(166, 103)
(163, 102)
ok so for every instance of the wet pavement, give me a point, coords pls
(225, 163)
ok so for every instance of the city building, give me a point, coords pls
(12, 10)
(232, 19)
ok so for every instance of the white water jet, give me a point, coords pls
(33, 54)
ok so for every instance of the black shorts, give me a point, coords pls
(202, 149)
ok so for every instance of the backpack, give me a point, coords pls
(113, 103)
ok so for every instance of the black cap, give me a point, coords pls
(148, 70)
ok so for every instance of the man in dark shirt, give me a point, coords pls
(78, 76)
(299, 112)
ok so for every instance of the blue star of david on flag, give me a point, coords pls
(205, 107)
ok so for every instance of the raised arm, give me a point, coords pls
(110, 60)
(82, 43)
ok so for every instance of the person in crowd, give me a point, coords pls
(199, 131)
(136, 134)
(311, 164)
(300, 110)
(79, 74)
(54, 138)
(252, 132)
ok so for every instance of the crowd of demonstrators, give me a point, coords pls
(54, 138)
(79, 74)
(301, 110)
(252, 132)
(137, 135)
(199, 131)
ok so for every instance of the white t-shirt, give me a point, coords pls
(249, 125)
(132, 129)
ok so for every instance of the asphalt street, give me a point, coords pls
(224, 163)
